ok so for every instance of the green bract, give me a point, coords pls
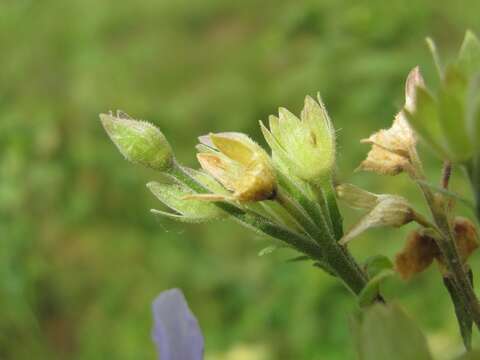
(175, 196)
(139, 141)
(305, 146)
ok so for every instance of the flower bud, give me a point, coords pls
(305, 146)
(384, 210)
(240, 165)
(139, 141)
(175, 196)
(356, 197)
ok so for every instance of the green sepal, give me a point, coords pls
(452, 115)
(432, 47)
(425, 122)
(189, 210)
(473, 111)
(468, 60)
(177, 217)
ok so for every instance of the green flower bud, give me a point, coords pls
(240, 165)
(139, 141)
(177, 198)
(305, 146)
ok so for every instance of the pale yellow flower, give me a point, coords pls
(240, 165)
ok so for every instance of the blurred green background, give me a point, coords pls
(81, 257)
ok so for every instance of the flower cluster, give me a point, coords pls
(291, 194)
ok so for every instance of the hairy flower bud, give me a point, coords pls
(139, 141)
(240, 165)
(305, 146)
(384, 210)
(356, 197)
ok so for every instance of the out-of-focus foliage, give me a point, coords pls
(81, 257)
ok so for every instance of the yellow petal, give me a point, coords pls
(233, 147)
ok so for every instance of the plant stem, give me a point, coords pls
(473, 172)
(354, 280)
(463, 316)
(447, 244)
(336, 255)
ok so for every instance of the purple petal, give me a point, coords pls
(176, 333)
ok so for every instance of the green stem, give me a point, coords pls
(253, 221)
(473, 172)
(463, 316)
(447, 244)
(336, 255)
(331, 252)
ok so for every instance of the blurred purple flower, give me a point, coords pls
(176, 333)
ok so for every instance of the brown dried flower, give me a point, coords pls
(390, 153)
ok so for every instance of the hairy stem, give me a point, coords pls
(336, 255)
(343, 268)
(447, 244)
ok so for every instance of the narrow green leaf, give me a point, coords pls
(473, 111)
(325, 267)
(452, 111)
(436, 57)
(469, 55)
(386, 332)
(425, 122)
(371, 290)
(448, 193)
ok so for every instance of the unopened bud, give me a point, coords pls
(356, 197)
(240, 165)
(384, 210)
(139, 141)
(305, 146)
